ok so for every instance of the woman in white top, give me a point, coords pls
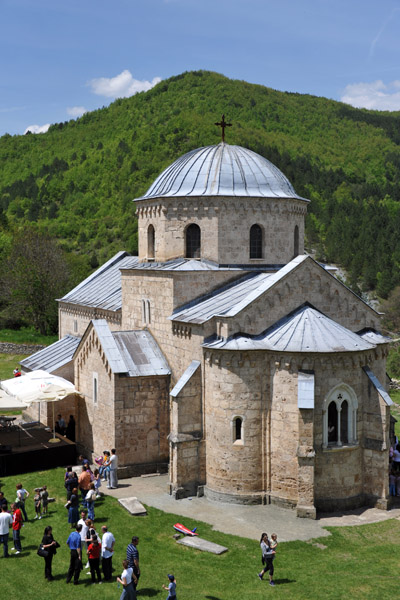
(128, 593)
(89, 499)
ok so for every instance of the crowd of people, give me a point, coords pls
(84, 541)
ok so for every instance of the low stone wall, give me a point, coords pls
(9, 348)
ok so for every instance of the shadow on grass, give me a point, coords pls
(283, 581)
(147, 592)
(213, 598)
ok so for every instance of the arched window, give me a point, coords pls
(296, 242)
(150, 241)
(340, 417)
(256, 242)
(193, 241)
(237, 430)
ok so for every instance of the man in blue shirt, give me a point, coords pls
(74, 543)
(132, 556)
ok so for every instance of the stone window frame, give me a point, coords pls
(235, 440)
(146, 311)
(75, 325)
(339, 394)
(95, 386)
(151, 242)
(255, 230)
(191, 252)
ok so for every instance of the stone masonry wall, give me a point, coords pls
(74, 319)
(142, 421)
(224, 223)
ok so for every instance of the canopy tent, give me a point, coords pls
(39, 386)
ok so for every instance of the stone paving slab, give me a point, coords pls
(201, 544)
(133, 506)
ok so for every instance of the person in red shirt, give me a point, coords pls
(94, 550)
(16, 528)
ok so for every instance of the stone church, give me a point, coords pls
(223, 353)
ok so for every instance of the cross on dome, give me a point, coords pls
(223, 124)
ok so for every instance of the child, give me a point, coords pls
(38, 505)
(44, 495)
(392, 483)
(273, 544)
(171, 588)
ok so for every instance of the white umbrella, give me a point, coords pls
(8, 402)
(51, 393)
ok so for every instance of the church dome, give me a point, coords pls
(222, 170)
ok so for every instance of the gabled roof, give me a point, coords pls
(304, 330)
(133, 353)
(230, 299)
(102, 289)
(373, 336)
(54, 356)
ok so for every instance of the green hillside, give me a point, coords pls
(78, 180)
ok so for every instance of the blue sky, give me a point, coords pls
(60, 58)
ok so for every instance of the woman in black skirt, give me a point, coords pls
(49, 544)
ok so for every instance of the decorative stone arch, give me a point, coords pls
(193, 241)
(256, 241)
(339, 412)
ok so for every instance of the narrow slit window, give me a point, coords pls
(150, 241)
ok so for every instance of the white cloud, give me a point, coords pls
(37, 128)
(76, 111)
(375, 95)
(121, 86)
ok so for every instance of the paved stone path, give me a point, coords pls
(245, 521)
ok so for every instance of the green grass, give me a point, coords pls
(354, 562)
(26, 335)
(395, 409)
(8, 362)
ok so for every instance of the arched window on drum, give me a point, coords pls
(151, 237)
(193, 241)
(256, 242)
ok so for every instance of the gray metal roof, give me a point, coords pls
(141, 354)
(192, 368)
(222, 170)
(109, 345)
(230, 299)
(134, 353)
(183, 264)
(52, 357)
(102, 289)
(378, 386)
(304, 330)
(373, 336)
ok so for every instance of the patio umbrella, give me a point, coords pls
(51, 393)
(8, 402)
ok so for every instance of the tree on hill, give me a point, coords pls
(32, 277)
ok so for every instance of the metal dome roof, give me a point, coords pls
(222, 170)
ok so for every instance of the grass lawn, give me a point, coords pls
(26, 335)
(354, 562)
(8, 362)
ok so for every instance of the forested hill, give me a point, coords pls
(77, 181)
